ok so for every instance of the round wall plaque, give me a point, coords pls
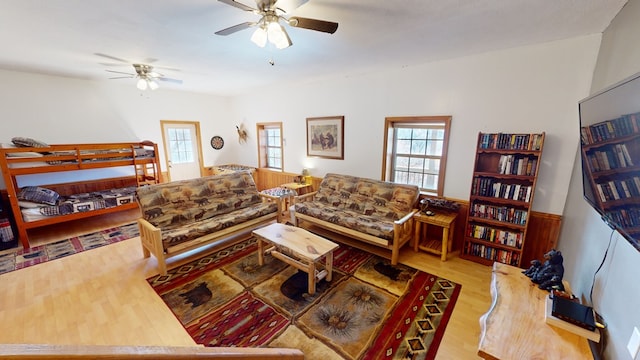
(217, 142)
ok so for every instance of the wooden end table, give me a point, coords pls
(446, 221)
(298, 248)
(285, 195)
(301, 189)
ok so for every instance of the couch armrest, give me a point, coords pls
(151, 238)
(406, 217)
(303, 198)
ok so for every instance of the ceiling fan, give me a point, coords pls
(147, 77)
(269, 27)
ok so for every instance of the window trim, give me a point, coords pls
(262, 147)
(388, 151)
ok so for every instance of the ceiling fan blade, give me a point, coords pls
(175, 81)
(235, 28)
(111, 57)
(313, 24)
(288, 6)
(120, 72)
(166, 68)
(122, 77)
(238, 5)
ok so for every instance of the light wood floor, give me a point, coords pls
(101, 297)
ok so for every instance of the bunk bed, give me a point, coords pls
(118, 168)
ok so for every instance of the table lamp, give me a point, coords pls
(307, 176)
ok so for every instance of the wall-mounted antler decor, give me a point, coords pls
(242, 134)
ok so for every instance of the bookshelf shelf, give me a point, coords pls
(504, 179)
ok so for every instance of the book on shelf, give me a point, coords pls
(506, 141)
(516, 165)
(624, 125)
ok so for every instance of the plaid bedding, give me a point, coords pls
(90, 201)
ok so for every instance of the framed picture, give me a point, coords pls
(325, 137)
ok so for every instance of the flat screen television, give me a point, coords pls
(610, 152)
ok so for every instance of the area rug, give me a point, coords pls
(22, 258)
(369, 310)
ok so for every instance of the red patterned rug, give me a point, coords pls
(369, 310)
(19, 258)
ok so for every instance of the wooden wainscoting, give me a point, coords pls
(542, 234)
(267, 179)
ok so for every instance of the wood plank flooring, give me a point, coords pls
(101, 297)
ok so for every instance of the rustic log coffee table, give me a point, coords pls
(298, 248)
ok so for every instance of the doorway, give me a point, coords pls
(182, 149)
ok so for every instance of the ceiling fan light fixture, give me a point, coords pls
(278, 36)
(284, 42)
(152, 84)
(259, 37)
(142, 84)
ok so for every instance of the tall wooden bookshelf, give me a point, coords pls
(504, 181)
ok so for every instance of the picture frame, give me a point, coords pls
(325, 137)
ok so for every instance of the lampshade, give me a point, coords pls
(259, 37)
(142, 84)
(284, 41)
(278, 36)
(152, 84)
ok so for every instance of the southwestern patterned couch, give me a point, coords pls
(183, 215)
(365, 210)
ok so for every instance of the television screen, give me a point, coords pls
(610, 152)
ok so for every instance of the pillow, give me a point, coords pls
(28, 142)
(39, 195)
(25, 154)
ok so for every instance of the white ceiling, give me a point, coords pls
(62, 37)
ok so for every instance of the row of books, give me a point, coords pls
(488, 252)
(614, 157)
(625, 125)
(629, 217)
(511, 141)
(490, 187)
(619, 189)
(495, 235)
(517, 165)
(499, 213)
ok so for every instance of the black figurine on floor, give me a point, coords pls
(547, 275)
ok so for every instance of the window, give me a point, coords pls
(270, 145)
(415, 151)
(181, 145)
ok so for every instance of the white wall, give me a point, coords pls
(60, 110)
(584, 237)
(527, 89)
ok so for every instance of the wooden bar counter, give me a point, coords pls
(515, 327)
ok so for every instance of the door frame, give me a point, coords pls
(196, 124)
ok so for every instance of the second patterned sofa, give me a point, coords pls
(361, 209)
